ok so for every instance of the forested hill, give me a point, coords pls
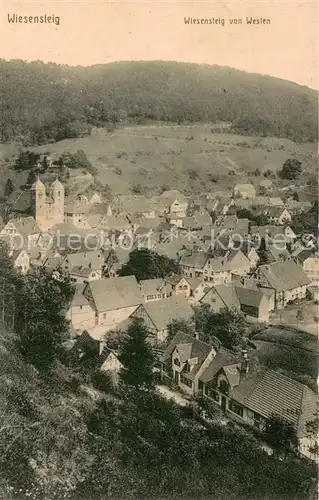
(49, 102)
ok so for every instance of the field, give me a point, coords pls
(293, 349)
(189, 158)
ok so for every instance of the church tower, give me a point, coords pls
(57, 193)
(38, 202)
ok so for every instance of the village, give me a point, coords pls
(231, 251)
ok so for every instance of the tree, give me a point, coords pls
(40, 321)
(299, 316)
(280, 433)
(295, 196)
(227, 326)
(146, 264)
(306, 222)
(9, 188)
(32, 177)
(136, 356)
(179, 325)
(291, 169)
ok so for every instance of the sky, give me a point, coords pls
(102, 31)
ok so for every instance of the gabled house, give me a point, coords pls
(286, 278)
(83, 266)
(113, 300)
(80, 313)
(252, 394)
(21, 260)
(278, 215)
(184, 361)
(190, 288)
(253, 303)
(157, 315)
(22, 231)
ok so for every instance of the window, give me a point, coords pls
(177, 362)
(187, 367)
(236, 408)
(186, 381)
(104, 315)
(214, 395)
(81, 307)
(159, 296)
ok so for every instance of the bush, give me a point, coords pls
(102, 381)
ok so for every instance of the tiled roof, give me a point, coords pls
(284, 275)
(115, 293)
(153, 286)
(196, 260)
(223, 358)
(268, 392)
(162, 312)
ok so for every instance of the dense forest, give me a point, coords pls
(43, 103)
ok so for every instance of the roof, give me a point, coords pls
(226, 293)
(284, 275)
(57, 184)
(19, 201)
(92, 260)
(188, 348)
(115, 293)
(249, 297)
(153, 286)
(196, 260)
(78, 297)
(25, 225)
(223, 357)
(38, 184)
(162, 312)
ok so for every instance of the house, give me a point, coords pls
(84, 274)
(286, 278)
(171, 202)
(157, 315)
(251, 394)
(137, 205)
(309, 260)
(244, 191)
(190, 288)
(278, 215)
(193, 265)
(110, 363)
(115, 258)
(24, 232)
(155, 289)
(253, 303)
(113, 300)
(83, 266)
(21, 260)
(77, 213)
(80, 313)
(184, 361)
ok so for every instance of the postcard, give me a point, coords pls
(159, 264)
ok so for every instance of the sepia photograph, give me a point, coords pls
(159, 260)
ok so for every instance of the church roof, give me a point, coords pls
(57, 184)
(37, 184)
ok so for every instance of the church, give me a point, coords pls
(47, 208)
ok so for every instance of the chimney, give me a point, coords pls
(245, 361)
(196, 335)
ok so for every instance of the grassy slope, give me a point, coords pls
(155, 155)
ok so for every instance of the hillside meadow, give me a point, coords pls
(192, 158)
